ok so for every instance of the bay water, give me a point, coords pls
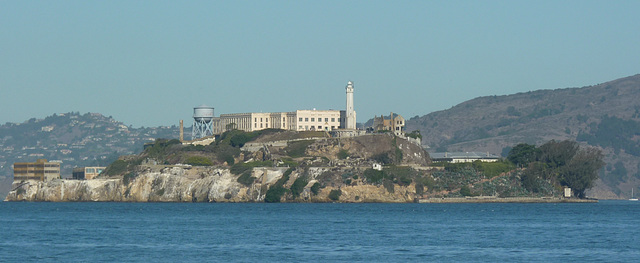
(256, 232)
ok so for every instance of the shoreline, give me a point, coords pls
(491, 199)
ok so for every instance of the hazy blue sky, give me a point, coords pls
(148, 63)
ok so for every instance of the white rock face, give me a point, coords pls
(169, 185)
(198, 184)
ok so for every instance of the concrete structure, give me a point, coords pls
(463, 157)
(317, 120)
(202, 122)
(41, 170)
(567, 192)
(87, 173)
(350, 113)
(395, 123)
(299, 120)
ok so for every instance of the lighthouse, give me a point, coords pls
(350, 122)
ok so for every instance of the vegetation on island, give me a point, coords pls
(561, 163)
(527, 171)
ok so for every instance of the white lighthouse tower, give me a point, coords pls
(350, 122)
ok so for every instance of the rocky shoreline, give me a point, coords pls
(199, 185)
(491, 199)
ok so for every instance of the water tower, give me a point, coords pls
(202, 122)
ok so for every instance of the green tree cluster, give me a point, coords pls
(564, 163)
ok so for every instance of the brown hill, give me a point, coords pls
(605, 115)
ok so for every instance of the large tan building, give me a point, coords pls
(41, 170)
(299, 120)
(395, 123)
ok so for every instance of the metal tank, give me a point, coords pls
(202, 122)
(203, 113)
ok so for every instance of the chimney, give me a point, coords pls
(181, 131)
(393, 123)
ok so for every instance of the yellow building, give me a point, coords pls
(41, 170)
(395, 123)
(87, 173)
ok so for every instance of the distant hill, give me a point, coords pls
(606, 115)
(76, 139)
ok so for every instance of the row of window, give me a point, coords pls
(306, 127)
(319, 119)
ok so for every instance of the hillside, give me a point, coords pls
(606, 115)
(75, 139)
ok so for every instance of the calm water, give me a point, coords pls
(157, 232)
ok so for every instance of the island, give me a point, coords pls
(274, 165)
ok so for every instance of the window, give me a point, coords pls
(306, 127)
(282, 119)
(260, 125)
(333, 119)
(326, 119)
(267, 125)
(306, 119)
(319, 127)
(300, 127)
(300, 119)
(313, 119)
(260, 119)
(255, 119)
(255, 125)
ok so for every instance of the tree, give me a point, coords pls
(557, 154)
(523, 154)
(581, 171)
(335, 194)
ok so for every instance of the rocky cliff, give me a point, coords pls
(176, 184)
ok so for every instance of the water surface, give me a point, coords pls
(196, 232)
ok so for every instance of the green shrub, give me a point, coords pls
(198, 161)
(465, 191)
(298, 186)
(288, 163)
(414, 134)
(240, 139)
(117, 167)
(274, 194)
(335, 194)
(240, 168)
(315, 188)
(343, 154)
(382, 158)
(419, 189)
(246, 179)
(373, 176)
(298, 148)
(388, 184)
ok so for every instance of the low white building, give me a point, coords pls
(463, 157)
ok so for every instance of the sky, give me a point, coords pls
(148, 63)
